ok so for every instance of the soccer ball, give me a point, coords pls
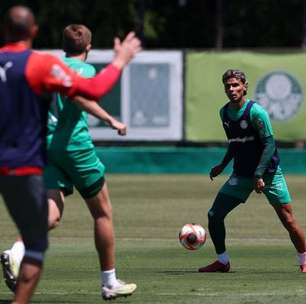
(192, 236)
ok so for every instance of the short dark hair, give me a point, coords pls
(234, 74)
(76, 38)
(18, 22)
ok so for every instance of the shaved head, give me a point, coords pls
(19, 24)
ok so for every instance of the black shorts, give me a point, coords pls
(26, 200)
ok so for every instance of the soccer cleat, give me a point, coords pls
(121, 290)
(303, 268)
(9, 276)
(216, 267)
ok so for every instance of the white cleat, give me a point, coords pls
(10, 268)
(121, 290)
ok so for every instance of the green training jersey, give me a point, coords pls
(67, 123)
(259, 118)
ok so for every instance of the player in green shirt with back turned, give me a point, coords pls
(256, 167)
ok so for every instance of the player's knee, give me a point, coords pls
(56, 207)
(53, 222)
(100, 208)
(35, 248)
(35, 237)
(214, 217)
(290, 223)
(104, 211)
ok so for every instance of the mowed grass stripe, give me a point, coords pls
(148, 213)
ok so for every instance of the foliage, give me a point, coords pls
(174, 23)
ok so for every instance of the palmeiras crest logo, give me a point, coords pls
(280, 94)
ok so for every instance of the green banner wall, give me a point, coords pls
(205, 93)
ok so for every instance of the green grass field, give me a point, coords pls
(148, 212)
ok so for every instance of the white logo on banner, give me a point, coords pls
(280, 94)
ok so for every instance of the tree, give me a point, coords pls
(219, 24)
(175, 23)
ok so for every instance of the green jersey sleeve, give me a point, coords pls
(260, 121)
(221, 113)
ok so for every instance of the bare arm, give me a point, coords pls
(94, 109)
(125, 50)
(101, 84)
(46, 73)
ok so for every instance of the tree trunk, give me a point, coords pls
(140, 9)
(219, 25)
(304, 26)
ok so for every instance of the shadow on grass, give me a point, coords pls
(120, 300)
(54, 301)
(177, 272)
(183, 272)
(39, 301)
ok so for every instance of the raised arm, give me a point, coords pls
(46, 73)
(102, 83)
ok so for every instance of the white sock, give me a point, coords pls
(108, 278)
(223, 258)
(302, 258)
(18, 251)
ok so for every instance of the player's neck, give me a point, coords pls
(81, 57)
(25, 43)
(237, 105)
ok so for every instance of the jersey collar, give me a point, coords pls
(14, 47)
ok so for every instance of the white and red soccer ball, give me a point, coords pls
(192, 236)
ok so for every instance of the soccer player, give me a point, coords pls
(25, 78)
(256, 167)
(72, 161)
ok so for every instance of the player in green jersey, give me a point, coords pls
(72, 162)
(256, 167)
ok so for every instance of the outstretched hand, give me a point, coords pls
(215, 171)
(125, 50)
